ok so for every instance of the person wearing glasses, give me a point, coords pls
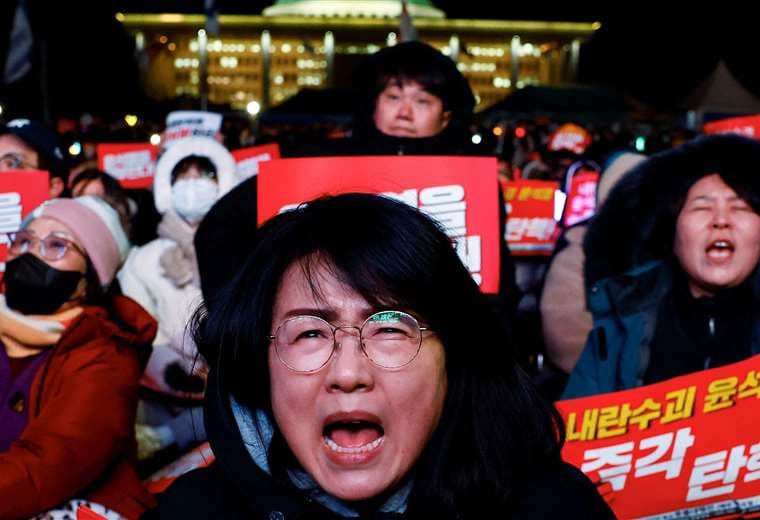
(361, 373)
(29, 145)
(70, 363)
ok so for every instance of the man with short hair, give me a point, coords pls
(29, 145)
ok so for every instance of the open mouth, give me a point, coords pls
(353, 436)
(720, 249)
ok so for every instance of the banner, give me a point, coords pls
(132, 164)
(20, 193)
(748, 126)
(581, 197)
(460, 192)
(531, 228)
(248, 159)
(684, 448)
(199, 457)
(190, 123)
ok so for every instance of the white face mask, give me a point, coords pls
(192, 198)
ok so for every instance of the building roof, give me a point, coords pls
(353, 8)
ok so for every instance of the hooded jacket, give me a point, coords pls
(169, 290)
(630, 266)
(79, 439)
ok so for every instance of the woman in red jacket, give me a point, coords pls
(70, 363)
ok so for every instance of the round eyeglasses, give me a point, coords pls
(389, 339)
(52, 247)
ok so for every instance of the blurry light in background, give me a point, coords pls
(130, 119)
(519, 132)
(497, 131)
(1, 110)
(253, 107)
(155, 139)
(75, 148)
(641, 143)
(596, 26)
(476, 139)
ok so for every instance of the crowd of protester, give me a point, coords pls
(137, 324)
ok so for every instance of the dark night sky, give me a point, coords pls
(656, 58)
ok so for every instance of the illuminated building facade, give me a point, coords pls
(263, 60)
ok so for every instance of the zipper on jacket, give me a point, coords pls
(601, 340)
(711, 330)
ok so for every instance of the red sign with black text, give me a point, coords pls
(459, 192)
(531, 228)
(248, 159)
(20, 193)
(132, 164)
(688, 447)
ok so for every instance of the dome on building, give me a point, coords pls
(353, 8)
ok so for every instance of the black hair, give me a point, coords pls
(56, 167)
(637, 222)
(113, 194)
(729, 156)
(494, 431)
(413, 62)
(201, 162)
(420, 63)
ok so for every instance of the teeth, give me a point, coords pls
(721, 244)
(358, 449)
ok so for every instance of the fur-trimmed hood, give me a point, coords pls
(636, 224)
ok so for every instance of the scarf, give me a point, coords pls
(256, 431)
(179, 262)
(27, 335)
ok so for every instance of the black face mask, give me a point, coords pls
(33, 287)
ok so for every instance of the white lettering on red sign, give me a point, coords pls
(722, 468)
(447, 205)
(615, 462)
(519, 228)
(583, 204)
(568, 141)
(129, 165)
(10, 213)
(10, 219)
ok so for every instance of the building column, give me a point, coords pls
(329, 42)
(266, 65)
(515, 56)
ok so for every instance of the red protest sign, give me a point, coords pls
(748, 126)
(530, 216)
(199, 457)
(569, 137)
(459, 192)
(20, 193)
(132, 164)
(581, 197)
(85, 513)
(248, 159)
(665, 448)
